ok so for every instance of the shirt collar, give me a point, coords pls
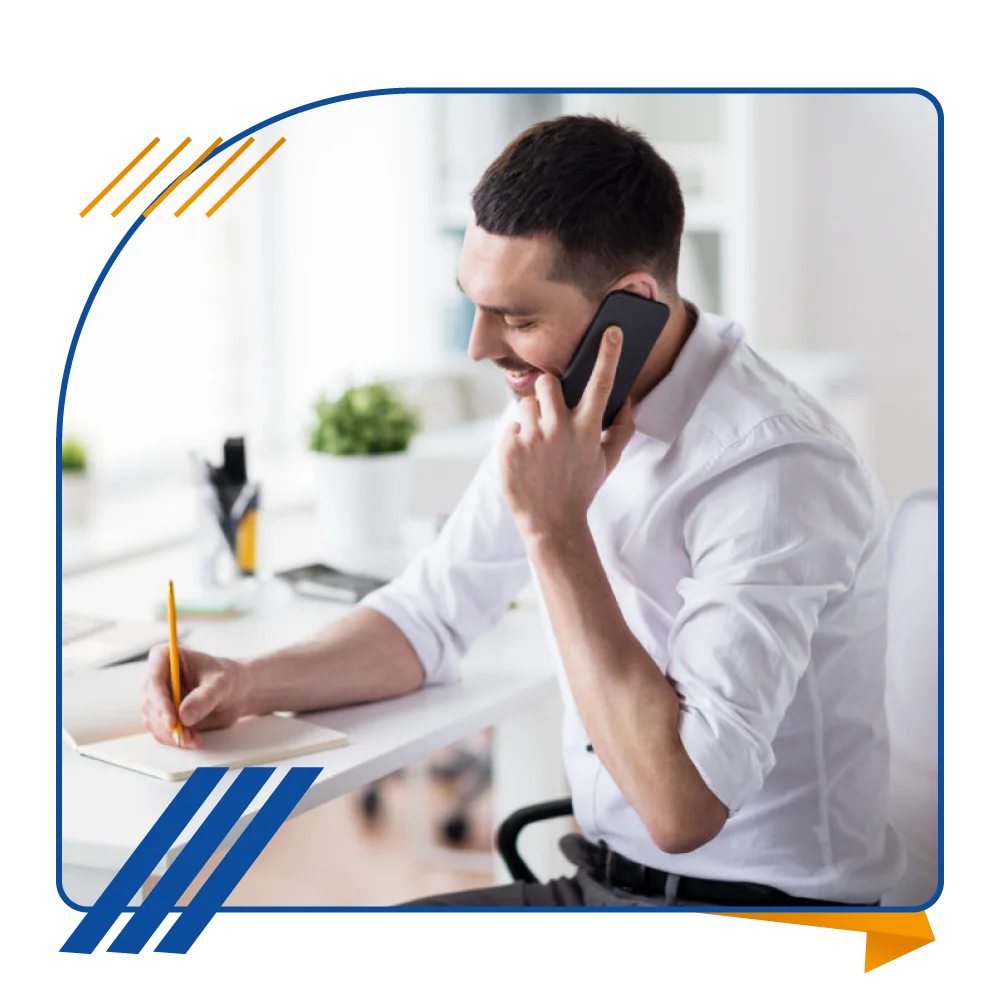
(667, 407)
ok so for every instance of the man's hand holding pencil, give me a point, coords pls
(212, 695)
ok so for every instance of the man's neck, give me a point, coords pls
(669, 344)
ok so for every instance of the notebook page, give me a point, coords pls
(259, 740)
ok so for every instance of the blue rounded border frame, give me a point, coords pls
(130, 229)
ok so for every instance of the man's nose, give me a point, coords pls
(486, 338)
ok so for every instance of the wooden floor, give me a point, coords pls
(335, 856)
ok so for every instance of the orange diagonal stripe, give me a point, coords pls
(182, 176)
(244, 178)
(151, 176)
(119, 177)
(213, 177)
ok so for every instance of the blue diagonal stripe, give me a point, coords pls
(205, 841)
(140, 864)
(210, 897)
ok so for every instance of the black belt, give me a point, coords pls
(613, 869)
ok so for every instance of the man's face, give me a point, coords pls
(525, 323)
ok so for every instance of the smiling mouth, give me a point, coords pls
(519, 376)
(522, 381)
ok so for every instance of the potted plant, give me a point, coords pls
(360, 440)
(75, 481)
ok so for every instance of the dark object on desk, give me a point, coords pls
(320, 580)
(234, 464)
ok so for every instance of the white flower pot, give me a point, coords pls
(361, 501)
(75, 497)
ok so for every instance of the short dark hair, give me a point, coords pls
(609, 200)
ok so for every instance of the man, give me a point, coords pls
(711, 567)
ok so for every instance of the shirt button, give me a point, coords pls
(590, 748)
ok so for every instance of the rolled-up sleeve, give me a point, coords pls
(460, 585)
(770, 543)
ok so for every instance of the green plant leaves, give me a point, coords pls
(74, 455)
(366, 420)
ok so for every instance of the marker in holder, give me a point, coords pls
(227, 518)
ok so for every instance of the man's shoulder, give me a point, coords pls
(755, 426)
(751, 403)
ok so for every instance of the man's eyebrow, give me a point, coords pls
(499, 310)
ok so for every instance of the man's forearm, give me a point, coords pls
(361, 657)
(629, 709)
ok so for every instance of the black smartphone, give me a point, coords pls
(320, 580)
(641, 321)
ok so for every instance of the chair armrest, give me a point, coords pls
(512, 826)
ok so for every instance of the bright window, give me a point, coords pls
(324, 267)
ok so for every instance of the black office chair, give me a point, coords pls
(511, 827)
(469, 768)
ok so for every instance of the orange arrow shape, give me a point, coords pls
(890, 935)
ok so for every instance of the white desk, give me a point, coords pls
(508, 683)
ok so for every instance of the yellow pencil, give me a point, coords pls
(175, 660)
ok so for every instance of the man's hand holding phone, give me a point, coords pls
(553, 460)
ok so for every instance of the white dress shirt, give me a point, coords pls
(743, 540)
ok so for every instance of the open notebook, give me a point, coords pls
(257, 740)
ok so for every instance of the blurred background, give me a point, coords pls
(811, 221)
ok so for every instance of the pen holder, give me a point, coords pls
(227, 541)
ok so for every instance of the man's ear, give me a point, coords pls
(638, 283)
